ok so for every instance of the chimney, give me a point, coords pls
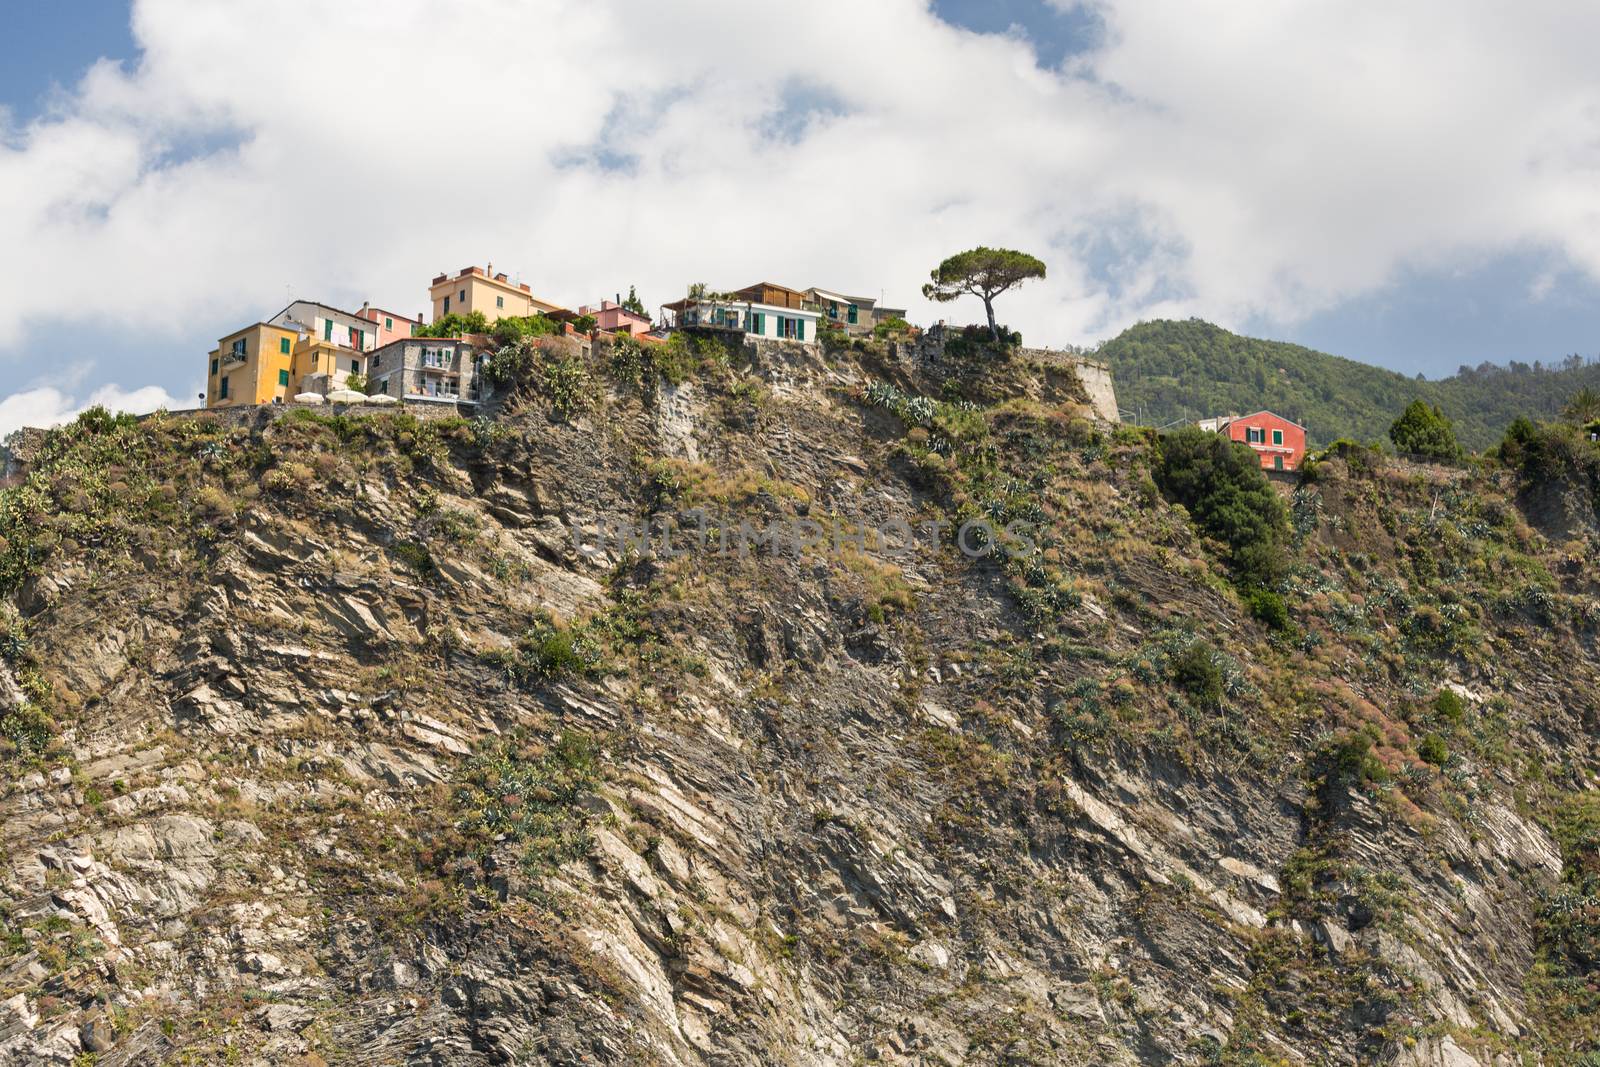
(490, 270)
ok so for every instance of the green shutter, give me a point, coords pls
(1277, 437)
(327, 329)
(854, 311)
(283, 345)
(388, 324)
(283, 377)
(799, 329)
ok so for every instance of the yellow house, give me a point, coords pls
(313, 356)
(479, 289)
(251, 366)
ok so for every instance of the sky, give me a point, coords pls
(1415, 185)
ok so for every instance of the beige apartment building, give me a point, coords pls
(480, 289)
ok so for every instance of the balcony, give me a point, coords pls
(234, 356)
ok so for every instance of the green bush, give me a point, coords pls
(454, 325)
(1196, 672)
(1432, 749)
(513, 328)
(1221, 484)
(1423, 430)
(1449, 707)
(548, 651)
(1268, 607)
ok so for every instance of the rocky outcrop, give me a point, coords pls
(370, 763)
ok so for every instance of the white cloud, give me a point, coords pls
(49, 406)
(1212, 157)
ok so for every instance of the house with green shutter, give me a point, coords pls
(852, 314)
(761, 310)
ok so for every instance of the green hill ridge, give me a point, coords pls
(1169, 370)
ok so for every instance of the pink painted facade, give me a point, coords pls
(613, 318)
(391, 326)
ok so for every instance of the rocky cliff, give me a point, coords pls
(359, 738)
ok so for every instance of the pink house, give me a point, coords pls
(614, 318)
(392, 326)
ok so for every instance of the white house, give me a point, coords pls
(760, 310)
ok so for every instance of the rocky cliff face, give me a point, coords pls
(329, 742)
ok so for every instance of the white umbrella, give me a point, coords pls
(346, 396)
(308, 398)
(381, 398)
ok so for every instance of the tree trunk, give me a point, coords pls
(988, 307)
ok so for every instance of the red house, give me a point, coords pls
(1281, 444)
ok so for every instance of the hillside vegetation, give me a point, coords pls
(1169, 370)
(325, 741)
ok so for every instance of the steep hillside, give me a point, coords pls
(328, 743)
(1169, 370)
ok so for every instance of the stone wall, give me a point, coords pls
(1095, 376)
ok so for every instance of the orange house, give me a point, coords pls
(1281, 444)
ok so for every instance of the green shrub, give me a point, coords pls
(1449, 707)
(1349, 757)
(414, 555)
(1432, 749)
(1221, 484)
(1196, 672)
(1423, 430)
(1268, 607)
(454, 325)
(548, 651)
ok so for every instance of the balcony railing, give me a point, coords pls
(234, 355)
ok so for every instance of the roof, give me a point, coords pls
(253, 325)
(829, 294)
(317, 304)
(1253, 414)
(739, 298)
(386, 311)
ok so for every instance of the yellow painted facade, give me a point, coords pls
(314, 355)
(250, 366)
(476, 290)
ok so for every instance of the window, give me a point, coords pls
(447, 305)
(283, 377)
(1277, 461)
(214, 368)
(413, 329)
(463, 296)
(327, 329)
(222, 391)
(758, 322)
(358, 339)
(355, 367)
(1255, 436)
(238, 347)
(1277, 437)
(499, 301)
(283, 345)
(316, 357)
(388, 323)
(833, 309)
(853, 314)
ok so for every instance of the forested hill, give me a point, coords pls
(1167, 370)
